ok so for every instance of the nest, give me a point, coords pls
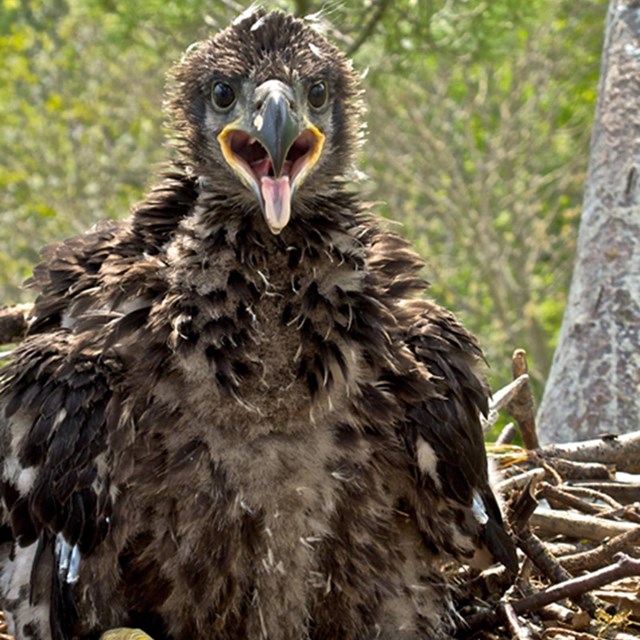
(574, 511)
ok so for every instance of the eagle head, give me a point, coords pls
(267, 110)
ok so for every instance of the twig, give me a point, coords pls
(571, 470)
(517, 630)
(563, 632)
(522, 507)
(588, 560)
(551, 470)
(622, 451)
(575, 619)
(628, 512)
(522, 406)
(369, 28)
(592, 493)
(621, 491)
(501, 398)
(519, 481)
(507, 434)
(556, 494)
(623, 568)
(563, 548)
(551, 568)
(577, 525)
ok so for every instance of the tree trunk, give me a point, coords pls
(594, 384)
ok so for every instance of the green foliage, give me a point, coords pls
(480, 149)
(479, 122)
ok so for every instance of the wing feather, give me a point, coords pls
(450, 424)
(54, 429)
(443, 392)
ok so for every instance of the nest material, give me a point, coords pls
(575, 514)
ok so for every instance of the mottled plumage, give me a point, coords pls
(234, 415)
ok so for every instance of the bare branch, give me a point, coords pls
(563, 632)
(369, 27)
(576, 525)
(623, 568)
(519, 481)
(522, 406)
(517, 630)
(623, 492)
(552, 569)
(502, 398)
(622, 451)
(589, 560)
(570, 470)
(506, 435)
(593, 494)
(557, 495)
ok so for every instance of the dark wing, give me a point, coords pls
(445, 434)
(55, 407)
(69, 274)
(443, 392)
(58, 411)
(72, 273)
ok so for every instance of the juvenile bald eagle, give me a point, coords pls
(234, 416)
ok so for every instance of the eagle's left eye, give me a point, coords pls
(223, 96)
(318, 95)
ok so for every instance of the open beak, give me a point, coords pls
(272, 150)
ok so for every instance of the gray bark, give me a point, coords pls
(594, 383)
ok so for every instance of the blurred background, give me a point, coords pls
(479, 118)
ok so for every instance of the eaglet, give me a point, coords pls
(235, 416)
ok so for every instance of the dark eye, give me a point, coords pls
(318, 95)
(223, 96)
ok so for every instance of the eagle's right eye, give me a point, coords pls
(223, 96)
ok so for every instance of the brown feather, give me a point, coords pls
(245, 435)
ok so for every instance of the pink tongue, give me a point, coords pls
(276, 193)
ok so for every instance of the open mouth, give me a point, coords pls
(248, 151)
(254, 164)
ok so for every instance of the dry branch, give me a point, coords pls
(623, 568)
(622, 451)
(571, 470)
(589, 560)
(629, 512)
(576, 525)
(578, 620)
(624, 493)
(592, 493)
(556, 495)
(518, 631)
(520, 480)
(551, 568)
(522, 406)
(501, 398)
(561, 633)
(507, 434)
